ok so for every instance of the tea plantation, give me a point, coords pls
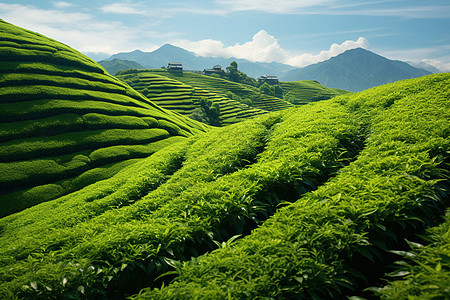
(306, 91)
(223, 86)
(183, 98)
(338, 198)
(66, 123)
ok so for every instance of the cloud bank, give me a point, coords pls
(265, 48)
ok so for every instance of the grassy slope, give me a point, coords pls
(305, 91)
(376, 159)
(222, 86)
(424, 270)
(184, 98)
(65, 122)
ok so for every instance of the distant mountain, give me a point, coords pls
(116, 65)
(355, 70)
(169, 53)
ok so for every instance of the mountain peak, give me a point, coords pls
(355, 70)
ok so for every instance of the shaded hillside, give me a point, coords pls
(223, 87)
(116, 65)
(306, 91)
(66, 123)
(355, 70)
(169, 53)
(300, 203)
(183, 98)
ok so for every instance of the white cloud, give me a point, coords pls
(337, 7)
(125, 8)
(305, 59)
(272, 6)
(78, 30)
(62, 4)
(265, 48)
(440, 57)
(432, 65)
(30, 15)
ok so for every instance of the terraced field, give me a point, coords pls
(65, 123)
(312, 202)
(184, 98)
(221, 86)
(306, 91)
(304, 203)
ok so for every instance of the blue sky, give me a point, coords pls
(297, 32)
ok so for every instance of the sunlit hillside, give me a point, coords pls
(304, 203)
(223, 87)
(65, 123)
(183, 98)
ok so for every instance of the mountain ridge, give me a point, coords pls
(355, 70)
(170, 53)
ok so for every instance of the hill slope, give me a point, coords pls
(183, 98)
(116, 65)
(169, 53)
(223, 87)
(312, 197)
(65, 122)
(355, 70)
(306, 91)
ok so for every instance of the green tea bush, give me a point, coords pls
(317, 192)
(313, 247)
(56, 102)
(221, 186)
(424, 270)
(184, 98)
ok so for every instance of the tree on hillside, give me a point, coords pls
(208, 112)
(278, 91)
(235, 75)
(267, 89)
(232, 72)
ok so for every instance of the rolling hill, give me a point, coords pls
(116, 65)
(355, 70)
(66, 123)
(305, 202)
(169, 53)
(223, 87)
(306, 91)
(183, 98)
(182, 93)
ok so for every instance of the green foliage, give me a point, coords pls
(211, 111)
(309, 249)
(424, 270)
(215, 89)
(57, 107)
(291, 205)
(185, 97)
(306, 91)
(267, 89)
(233, 74)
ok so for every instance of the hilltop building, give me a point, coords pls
(175, 67)
(217, 69)
(270, 79)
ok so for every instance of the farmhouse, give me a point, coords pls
(175, 67)
(270, 79)
(217, 69)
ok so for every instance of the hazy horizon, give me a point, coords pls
(297, 33)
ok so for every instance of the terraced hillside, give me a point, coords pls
(304, 203)
(306, 91)
(183, 98)
(222, 87)
(66, 123)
